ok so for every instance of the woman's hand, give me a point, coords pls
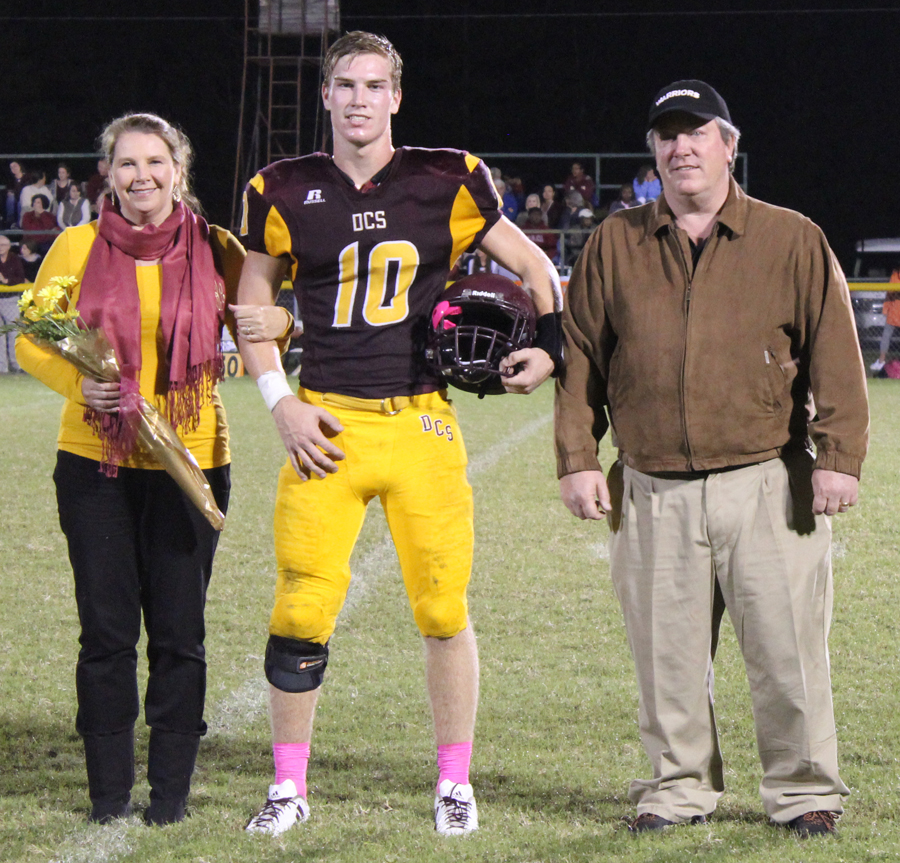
(102, 397)
(260, 323)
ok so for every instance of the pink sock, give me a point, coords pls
(291, 760)
(453, 762)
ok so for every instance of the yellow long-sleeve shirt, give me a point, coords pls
(68, 257)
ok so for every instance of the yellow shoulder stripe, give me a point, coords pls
(278, 238)
(258, 183)
(465, 222)
(472, 162)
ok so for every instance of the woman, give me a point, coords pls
(550, 207)
(31, 259)
(59, 188)
(74, 210)
(39, 223)
(154, 276)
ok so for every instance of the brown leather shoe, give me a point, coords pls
(817, 823)
(647, 822)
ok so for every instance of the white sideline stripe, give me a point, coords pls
(248, 701)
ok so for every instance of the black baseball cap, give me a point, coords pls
(691, 96)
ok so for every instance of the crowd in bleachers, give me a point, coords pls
(559, 217)
(36, 211)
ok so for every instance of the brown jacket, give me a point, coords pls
(711, 370)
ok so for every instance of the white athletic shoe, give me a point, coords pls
(877, 366)
(283, 809)
(455, 812)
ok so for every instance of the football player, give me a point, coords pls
(368, 237)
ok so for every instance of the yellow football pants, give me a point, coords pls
(415, 462)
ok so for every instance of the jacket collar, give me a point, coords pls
(732, 217)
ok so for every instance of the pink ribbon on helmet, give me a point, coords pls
(441, 311)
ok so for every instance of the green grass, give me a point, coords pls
(557, 737)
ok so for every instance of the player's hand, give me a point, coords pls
(102, 397)
(305, 430)
(536, 367)
(585, 494)
(833, 492)
(259, 323)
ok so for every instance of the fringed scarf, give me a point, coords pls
(192, 308)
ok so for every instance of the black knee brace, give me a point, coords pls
(295, 666)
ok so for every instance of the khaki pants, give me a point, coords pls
(681, 552)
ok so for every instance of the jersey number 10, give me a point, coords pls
(391, 270)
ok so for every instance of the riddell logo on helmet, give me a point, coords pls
(672, 93)
(490, 294)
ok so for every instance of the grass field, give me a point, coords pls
(557, 736)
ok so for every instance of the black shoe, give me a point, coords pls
(647, 822)
(106, 811)
(817, 823)
(162, 812)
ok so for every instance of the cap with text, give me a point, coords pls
(692, 97)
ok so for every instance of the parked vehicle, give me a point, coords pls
(875, 261)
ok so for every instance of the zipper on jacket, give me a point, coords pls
(689, 279)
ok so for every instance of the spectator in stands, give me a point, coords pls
(13, 192)
(40, 219)
(31, 259)
(646, 184)
(11, 273)
(569, 216)
(75, 210)
(510, 207)
(626, 198)
(517, 187)
(580, 182)
(536, 230)
(38, 187)
(550, 206)
(59, 188)
(575, 239)
(96, 185)
(533, 200)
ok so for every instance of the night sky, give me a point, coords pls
(813, 90)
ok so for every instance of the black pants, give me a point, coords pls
(137, 544)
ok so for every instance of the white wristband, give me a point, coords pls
(274, 387)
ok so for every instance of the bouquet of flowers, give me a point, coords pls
(43, 319)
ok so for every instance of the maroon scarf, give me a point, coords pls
(192, 308)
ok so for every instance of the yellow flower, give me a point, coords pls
(32, 313)
(26, 299)
(49, 296)
(63, 282)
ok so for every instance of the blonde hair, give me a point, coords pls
(360, 42)
(150, 124)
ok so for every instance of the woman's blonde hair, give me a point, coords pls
(177, 142)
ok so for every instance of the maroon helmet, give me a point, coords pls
(476, 322)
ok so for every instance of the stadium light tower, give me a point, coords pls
(285, 42)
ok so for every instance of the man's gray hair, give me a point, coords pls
(728, 131)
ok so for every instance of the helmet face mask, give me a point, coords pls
(476, 323)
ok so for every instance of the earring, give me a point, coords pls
(112, 195)
(176, 195)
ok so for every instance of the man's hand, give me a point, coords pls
(305, 430)
(833, 492)
(259, 323)
(585, 494)
(536, 368)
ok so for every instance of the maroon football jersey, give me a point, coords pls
(368, 267)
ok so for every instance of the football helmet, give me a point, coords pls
(477, 321)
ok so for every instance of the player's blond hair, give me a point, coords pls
(360, 42)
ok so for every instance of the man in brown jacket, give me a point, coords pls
(697, 328)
